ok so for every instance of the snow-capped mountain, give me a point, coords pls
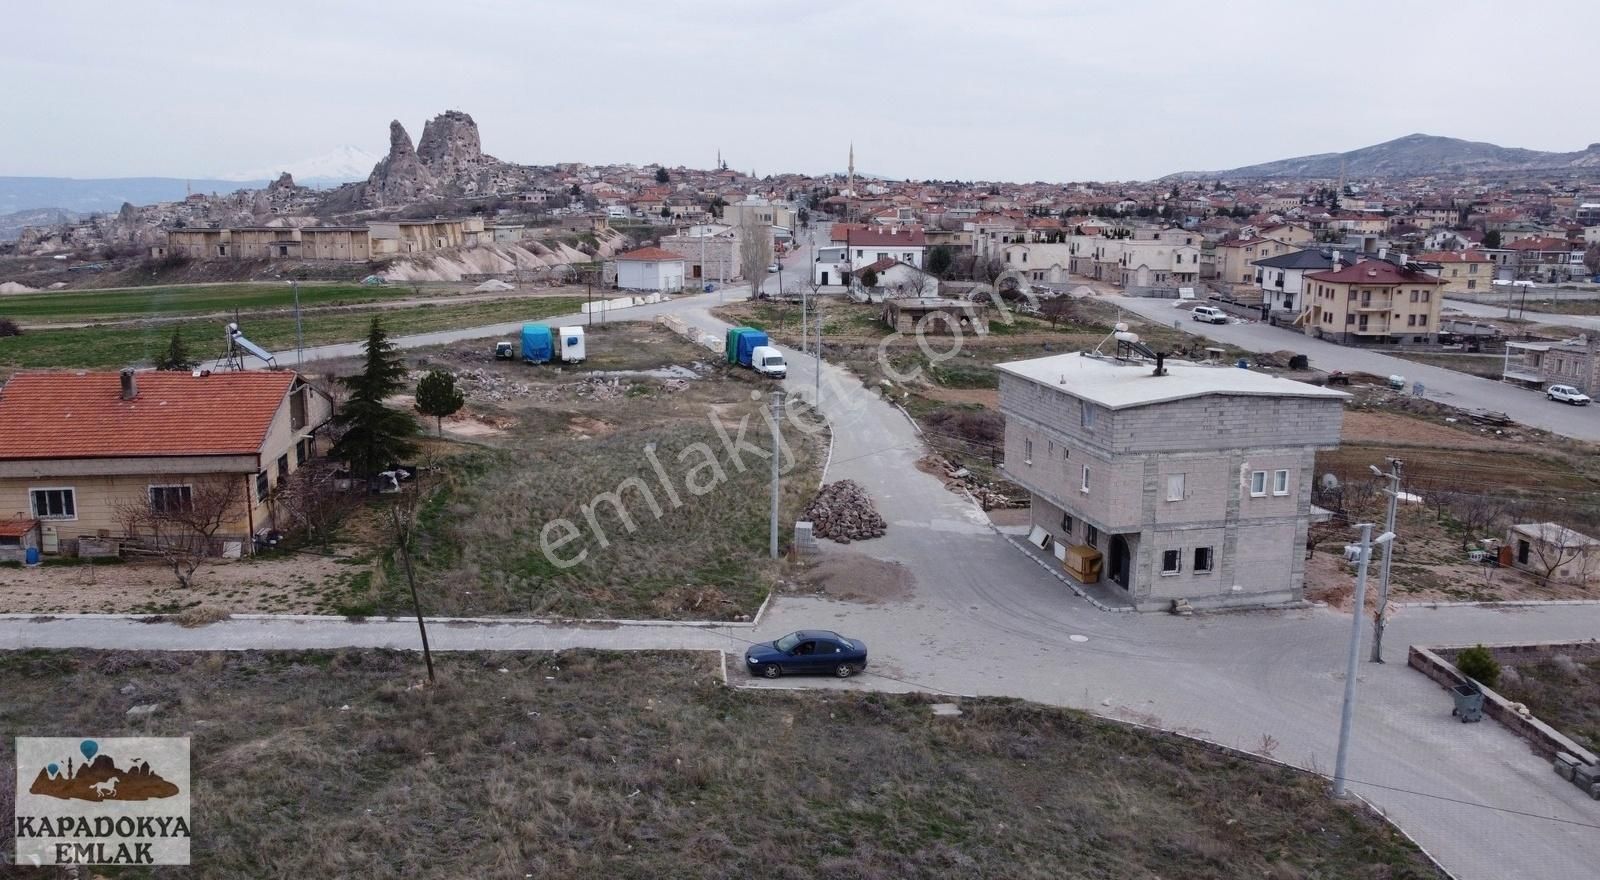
(340, 165)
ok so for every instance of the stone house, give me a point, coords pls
(1188, 481)
(1553, 551)
(76, 448)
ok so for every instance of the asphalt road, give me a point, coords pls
(1445, 386)
(984, 619)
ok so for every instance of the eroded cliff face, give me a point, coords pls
(400, 177)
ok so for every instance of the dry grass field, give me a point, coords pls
(334, 764)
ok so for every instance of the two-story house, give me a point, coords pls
(1235, 260)
(1461, 271)
(78, 448)
(1187, 481)
(1373, 301)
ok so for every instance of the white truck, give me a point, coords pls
(768, 361)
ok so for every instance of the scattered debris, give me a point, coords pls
(843, 512)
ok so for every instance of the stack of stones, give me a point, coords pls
(843, 512)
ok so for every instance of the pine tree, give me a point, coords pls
(176, 358)
(438, 396)
(374, 435)
(662, 176)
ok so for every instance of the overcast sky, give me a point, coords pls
(991, 89)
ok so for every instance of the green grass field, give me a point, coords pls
(107, 347)
(152, 302)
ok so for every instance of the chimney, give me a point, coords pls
(130, 384)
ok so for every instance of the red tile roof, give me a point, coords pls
(16, 526)
(879, 236)
(650, 254)
(1453, 257)
(1374, 272)
(1539, 244)
(82, 415)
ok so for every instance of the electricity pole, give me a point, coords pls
(1380, 618)
(299, 334)
(777, 439)
(1347, 713)
(816, 392)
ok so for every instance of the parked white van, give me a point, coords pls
(768, 361)
(1209, 314)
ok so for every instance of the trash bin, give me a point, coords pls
(1469, 703)
(31, 556)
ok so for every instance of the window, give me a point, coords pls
(1086, 415)
(1091, 535)
(170, 499)
(54, 503)
(1280, 482)
(302, 449)
(1258, 483)
(222, 250)
(1027, 452)
(1174, 487)
(1411, 320)
(1427, 295)
(1171, 561)
(283, 466)
(1084, 488)
(1067, 524)
(262, 486)
(1202, 559)
(1422, 320)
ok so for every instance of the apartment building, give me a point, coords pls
(1236, 259)
(1461, 271)
(1373, 301)
(1184, 481)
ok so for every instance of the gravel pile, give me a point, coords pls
(842, 512)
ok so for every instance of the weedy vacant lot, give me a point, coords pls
(573, 765)
(1561, 688)
(632, 461)
(134, 344)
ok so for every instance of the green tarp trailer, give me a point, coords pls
(731, 343)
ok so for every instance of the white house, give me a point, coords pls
(650, 268)
(865, 245)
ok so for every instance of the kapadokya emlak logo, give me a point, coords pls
(98, 777)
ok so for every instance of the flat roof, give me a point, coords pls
(1123, 384)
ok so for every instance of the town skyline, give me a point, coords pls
(1059, 102)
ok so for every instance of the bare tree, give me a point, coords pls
(179, 523)
(1477, 513)
(755, 252)
(310, 499)
(1554, 547)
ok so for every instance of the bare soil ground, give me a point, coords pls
(853, 577)
(299, 583)
(318, 764)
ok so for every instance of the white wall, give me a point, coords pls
(650, 274)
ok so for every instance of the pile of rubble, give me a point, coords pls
(843, 512)
(483, 385)
(959, 479)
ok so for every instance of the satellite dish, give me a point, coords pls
(1330, 483)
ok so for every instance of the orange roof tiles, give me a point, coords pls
(649, 254)
(82, 415)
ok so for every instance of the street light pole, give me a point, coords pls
(1347, 713)
(1380, 617)
(777, 439)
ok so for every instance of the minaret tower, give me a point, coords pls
(850, 179)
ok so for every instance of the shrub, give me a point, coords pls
(9, 327)
(1478, 664)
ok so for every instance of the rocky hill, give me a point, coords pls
(1411, 156)
(447, 162)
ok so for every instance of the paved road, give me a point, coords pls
(985, 619)
(1588, 323)
(1445, 386)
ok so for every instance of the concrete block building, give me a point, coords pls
(1192, 484)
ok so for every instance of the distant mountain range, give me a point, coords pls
(1411, 156)
(339, 165)
(86, 196)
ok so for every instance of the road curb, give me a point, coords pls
(1510, 603)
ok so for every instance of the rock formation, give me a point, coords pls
(400, 178)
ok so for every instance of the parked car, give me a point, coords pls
(807, 650)
(1566, 394)
(1209, 314)
(772, 268)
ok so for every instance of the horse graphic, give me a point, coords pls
(107, 788)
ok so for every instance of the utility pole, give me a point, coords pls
(816, 392)
(1380, 618)
(1347, 713)
(299, 334)
(777, 440)
(804, 335)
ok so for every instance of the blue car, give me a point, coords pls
(809, 650)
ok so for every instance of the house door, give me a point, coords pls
(696, 271)
(1522, 552)
(824, 279)
(1119, 561)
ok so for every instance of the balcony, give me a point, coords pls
(1372, 305)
